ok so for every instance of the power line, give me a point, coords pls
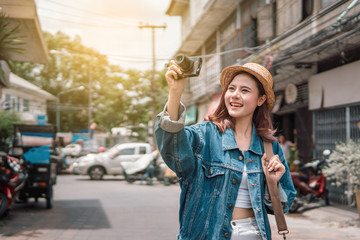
(79, 23)
(77, 16)
(91, 12)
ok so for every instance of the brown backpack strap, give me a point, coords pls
(274, 192)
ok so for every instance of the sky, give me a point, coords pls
(112, 28)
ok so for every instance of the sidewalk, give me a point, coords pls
(321, 222)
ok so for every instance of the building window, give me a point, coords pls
(18, 104)
(228, 39)
(6, 104)
(250, 34)
(307, 8)
(26, 105)
(326, 3)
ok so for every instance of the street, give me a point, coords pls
(114, 209)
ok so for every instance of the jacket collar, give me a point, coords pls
(229, 142)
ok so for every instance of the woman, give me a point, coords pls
(218, 161)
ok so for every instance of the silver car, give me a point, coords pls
(108, 163)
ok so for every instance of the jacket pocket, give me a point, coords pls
(214, 177)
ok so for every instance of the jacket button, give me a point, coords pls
(230, 206)
(226, 235)
(210, 171)
(241, 157)
(234, 181)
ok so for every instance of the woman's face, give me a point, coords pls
(242, 96)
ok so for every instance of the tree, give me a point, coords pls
(344, 166)
(7, 119)
(9, 37)
(118, 97)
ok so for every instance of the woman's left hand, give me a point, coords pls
(275, 165)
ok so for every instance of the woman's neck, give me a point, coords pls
(243, 127)
(243, 134)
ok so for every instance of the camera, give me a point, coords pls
(189, 66)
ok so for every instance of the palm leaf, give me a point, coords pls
(9, 36)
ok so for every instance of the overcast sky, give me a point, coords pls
(112, 28)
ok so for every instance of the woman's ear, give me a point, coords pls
(261, 100)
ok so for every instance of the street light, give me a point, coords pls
(58, 103)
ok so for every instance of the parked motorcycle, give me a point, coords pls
(145, 168)
(12, 179)
(310, 184)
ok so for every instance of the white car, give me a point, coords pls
(108, 162)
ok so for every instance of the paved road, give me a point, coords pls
(115, 210)
(93, 210)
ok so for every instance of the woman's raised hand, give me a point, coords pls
(175, 82)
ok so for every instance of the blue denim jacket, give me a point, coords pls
(209, 165)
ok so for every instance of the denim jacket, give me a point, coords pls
(209, 166)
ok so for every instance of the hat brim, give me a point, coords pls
(228, 74)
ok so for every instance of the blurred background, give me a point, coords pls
(95, 69)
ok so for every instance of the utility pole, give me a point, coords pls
(153, 83)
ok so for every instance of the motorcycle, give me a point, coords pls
(310, 184)
(144, 169)
(12, 179)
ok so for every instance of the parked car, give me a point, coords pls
(108, 162)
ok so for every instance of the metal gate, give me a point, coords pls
(332, 126)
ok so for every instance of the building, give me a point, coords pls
(22, 13)
(26, 99)
(311, 47)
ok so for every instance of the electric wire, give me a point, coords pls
(93, 12)
(249, 49)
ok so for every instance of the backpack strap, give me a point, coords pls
(274, 192)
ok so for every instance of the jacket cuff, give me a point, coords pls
(169, 125)
(282, 196)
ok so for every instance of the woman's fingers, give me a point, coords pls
(174, 69)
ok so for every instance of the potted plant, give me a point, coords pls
(344, 168)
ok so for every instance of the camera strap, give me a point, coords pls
(274, 192)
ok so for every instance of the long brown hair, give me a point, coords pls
(261, 117)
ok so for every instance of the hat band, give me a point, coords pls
(255, 70)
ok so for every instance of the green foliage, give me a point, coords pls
(344, 165)
(9, 37)
(7, 119)
(119, 98)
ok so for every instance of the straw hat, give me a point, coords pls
(258, 71)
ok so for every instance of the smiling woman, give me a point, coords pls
(219, 162)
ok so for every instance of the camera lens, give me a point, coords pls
(184, 62)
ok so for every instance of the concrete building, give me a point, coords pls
(26, 99)
(311, 47)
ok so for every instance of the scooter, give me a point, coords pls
(144, 169)
(310, 184)
(12, 179)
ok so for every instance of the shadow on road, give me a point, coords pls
(28, 218)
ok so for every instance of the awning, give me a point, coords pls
(336, 87)
(23, 14)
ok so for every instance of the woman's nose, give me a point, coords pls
(235, 94)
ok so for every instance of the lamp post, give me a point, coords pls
(64, 53)
(153, 82)
(58, 103)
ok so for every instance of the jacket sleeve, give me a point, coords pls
(177, 143)
(286, 187)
